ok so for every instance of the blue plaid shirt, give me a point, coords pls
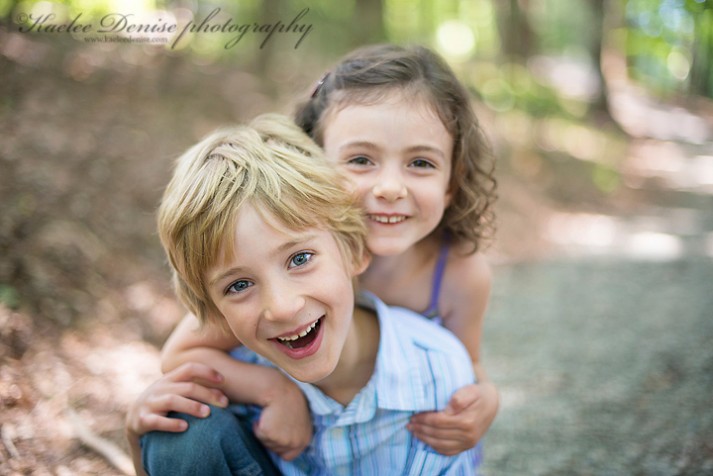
(418, 367)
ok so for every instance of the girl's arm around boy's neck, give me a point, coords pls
(466, 293)
(243, 383)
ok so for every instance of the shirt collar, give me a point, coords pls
(397, 382)
(398, 377)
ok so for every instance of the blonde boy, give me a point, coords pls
(263, 240)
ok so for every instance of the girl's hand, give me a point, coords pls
(285, 425)
(186, 389)
(462, 424)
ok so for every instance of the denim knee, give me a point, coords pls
(220, 444)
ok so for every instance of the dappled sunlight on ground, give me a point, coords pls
(602, 235)
(643, 117)
(672, 165)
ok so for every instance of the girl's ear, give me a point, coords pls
(449, 197)
(450, 190)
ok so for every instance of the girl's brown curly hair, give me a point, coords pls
(369, 74)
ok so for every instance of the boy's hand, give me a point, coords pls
(464, 421)
(185, 389)
(285, 425)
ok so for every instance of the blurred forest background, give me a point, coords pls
(601, 116)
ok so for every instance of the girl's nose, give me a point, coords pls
(390, 188)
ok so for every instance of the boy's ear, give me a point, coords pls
(360, 264)
(216, 320)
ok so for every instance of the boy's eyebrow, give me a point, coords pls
(224, 275)
(296, 240)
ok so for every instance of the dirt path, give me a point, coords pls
(605, 367)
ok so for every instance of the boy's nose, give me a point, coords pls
(281, 303)
(390, 188)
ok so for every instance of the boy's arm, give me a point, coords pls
(285, 424)
(472, 408)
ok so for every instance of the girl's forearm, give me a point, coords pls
(209, 345)
(490, 391)
(242, 382)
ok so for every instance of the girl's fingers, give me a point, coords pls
(188, 390)
(438, 433)
(212, 396)
(443, 420)
(154, 422)
(176, 392)
(437, 419)
(190, 404)
(195, 370)
(445, 446)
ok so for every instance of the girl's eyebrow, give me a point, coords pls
(295, 241)
(360, 144)
(427, 148)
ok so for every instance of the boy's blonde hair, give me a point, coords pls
(270, 164)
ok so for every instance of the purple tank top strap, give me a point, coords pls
(432, 310)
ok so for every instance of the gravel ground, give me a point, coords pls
(605, 367)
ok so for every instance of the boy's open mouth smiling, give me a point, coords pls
(302, 340)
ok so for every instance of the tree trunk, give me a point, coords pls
(516, 35)
(701, 82)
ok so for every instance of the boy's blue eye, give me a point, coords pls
(300, 259)
(239, 286)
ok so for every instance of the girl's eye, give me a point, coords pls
(422, 164)
(300, 259)
(238, 286)
(359, 160)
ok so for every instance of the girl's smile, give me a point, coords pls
(387, 219)
(398, 156)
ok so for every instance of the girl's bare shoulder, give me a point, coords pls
(464, 298)
(466, 271)
(467, 283)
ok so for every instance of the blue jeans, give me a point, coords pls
(220, 444)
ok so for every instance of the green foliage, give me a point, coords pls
(607, 179)
(660, 40)
(513, 87)
(668, 43)
(562, 25)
